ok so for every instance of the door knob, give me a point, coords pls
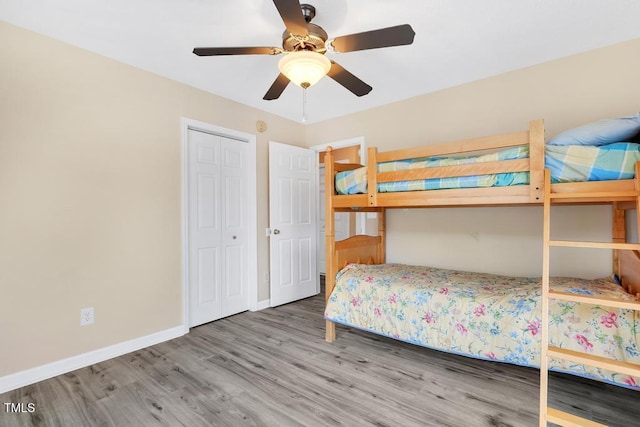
(276, 231)
(234, 237)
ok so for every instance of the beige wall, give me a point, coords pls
(90, 181)
(566, 92)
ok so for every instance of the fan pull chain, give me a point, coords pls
(304, 105)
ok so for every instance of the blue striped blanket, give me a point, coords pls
(571, 163)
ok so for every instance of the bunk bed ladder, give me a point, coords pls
(548, 414)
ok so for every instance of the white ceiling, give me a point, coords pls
(457, 41)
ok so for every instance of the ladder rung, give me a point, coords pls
(568, 420)
(598, 245)
(588, 299)
(595, 361)
(595, 195)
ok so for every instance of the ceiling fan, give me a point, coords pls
(305, 44)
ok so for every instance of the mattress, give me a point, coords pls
(486, 316)
(567, 164)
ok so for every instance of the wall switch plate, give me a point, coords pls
(87, 316)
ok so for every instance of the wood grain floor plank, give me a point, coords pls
(273, 368)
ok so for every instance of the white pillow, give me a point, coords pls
(601, 132)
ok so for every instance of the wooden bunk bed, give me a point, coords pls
(620, 194)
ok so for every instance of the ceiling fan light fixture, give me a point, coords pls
(304, 68)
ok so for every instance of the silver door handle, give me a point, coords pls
(276, 231)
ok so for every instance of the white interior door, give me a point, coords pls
(234, 233)
(342, 225)
(293, 182)
(217, 227)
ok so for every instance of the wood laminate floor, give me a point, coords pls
(273, 368)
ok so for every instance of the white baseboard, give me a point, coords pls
(262, 305)
(40, 373)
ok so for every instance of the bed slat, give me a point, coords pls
(607, 302)
(596, 245)
(459, 147)
(596, 361)
(485, 168)
(568, 420)
(342, 167)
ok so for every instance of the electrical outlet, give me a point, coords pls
(87, 316)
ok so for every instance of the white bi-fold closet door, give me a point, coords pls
(217, 226)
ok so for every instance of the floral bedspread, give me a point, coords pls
(486, 316)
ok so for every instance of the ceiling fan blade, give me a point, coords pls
(291, 14)
(348, 80)
(385, 37)
(214, 51)
(276, 88)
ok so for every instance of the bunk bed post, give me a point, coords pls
(632, 286)
(618, 235)
(536, 159)
(637, 187)
(544, 301)
(381, 252)
(372, 176)
(329, 232)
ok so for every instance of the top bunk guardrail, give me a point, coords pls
(533, 139)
